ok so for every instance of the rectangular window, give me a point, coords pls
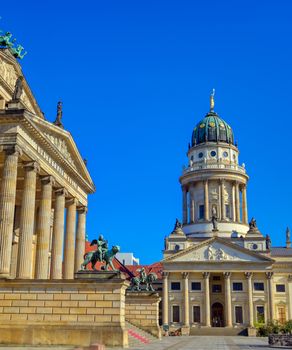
(196, 314)
(238, 314)
(196, 285)
(237, 286)
(175, 313)
(259, 286)
(175, 286)
(260, 314)
(216, 288)
(227, 211)
(282, 314)
(280, 288)
(201, 211)
(216, 278)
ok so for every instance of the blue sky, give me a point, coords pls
(135, 78)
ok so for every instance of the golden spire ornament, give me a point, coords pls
(212, 101)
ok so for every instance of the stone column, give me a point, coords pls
(58, 234)
(290, 297)
(186, 299)
(80, 238)
(271, 295)
(70, 240)
(244, 206)
(43, 228)
(27, 217)
(185, 205)
(7, 205)
(206, 200)
(206, 276)
(192, 208)
(248, 276)
(165, 298)
(233, 203)
(228, 299)
(237, 201)
(222, 199)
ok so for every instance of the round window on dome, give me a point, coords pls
(213, 153)
(200, 155)
(225, 154)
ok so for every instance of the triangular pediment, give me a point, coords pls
(62, 142)
(216, 250)
(10, 70)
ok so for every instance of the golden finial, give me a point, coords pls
(212, 102)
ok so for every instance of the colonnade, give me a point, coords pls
(73, 241)
(189, 202)
(206, 299)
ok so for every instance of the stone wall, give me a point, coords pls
(63, 312)
(142, 310)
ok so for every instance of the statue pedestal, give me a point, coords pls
(99, 275)
(14, 104)
(215, 231)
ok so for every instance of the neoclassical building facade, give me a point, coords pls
(44, 186)
(218, 268)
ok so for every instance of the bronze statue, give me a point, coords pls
(102, 254)
(143, 278)
(214, 219)
(268, 242)
(58, 120)
(253, 224)
(18, 89)
(288, 235)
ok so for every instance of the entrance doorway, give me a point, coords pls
(217, 315)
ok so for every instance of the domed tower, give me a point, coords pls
(213, 183)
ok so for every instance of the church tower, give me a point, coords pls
(213, 183)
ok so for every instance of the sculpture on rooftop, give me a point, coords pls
(58, 120)
(145, 279)
(214, 219)
(18, 89)
(101, 254)
(6, 42)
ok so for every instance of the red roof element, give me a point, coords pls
(129, 270)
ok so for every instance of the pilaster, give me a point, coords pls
(165, 318)
(206, 276)
(227, 276)
(70, 239)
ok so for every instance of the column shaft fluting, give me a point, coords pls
(244, 206)
(80, 238)
(43, 229)
(222, 204)
(27, 217)
(185, 205)
(192, 207)
(7, 206)
(233, 203)
(58, 234)
(207, 299)
(70, 240)
(186, 299)
(237, 200)
(165, 298)
(228, 299)
(248, 275)
(271, 295)
(206, 200)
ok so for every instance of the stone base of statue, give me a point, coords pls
(98, 275)
(15, 104)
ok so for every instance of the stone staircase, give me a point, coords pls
(137, 337)
(216, 331)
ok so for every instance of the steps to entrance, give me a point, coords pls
(138, 337)
(216, 331)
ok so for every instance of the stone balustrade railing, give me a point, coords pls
(213, 165)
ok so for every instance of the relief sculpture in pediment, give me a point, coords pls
(62, 147)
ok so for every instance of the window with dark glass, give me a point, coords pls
(196, 285)
(238, 314)
(216, 278)
(201, 211)
(237, 286)
(280, 288)
(227, 211)
(260, 314)
(212, 136)
(175, 313)
(216, 288)
(259, 286)
(201, 155)
(213, 153)
(196, 314)
(175, 285)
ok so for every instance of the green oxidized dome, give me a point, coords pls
(212, 129)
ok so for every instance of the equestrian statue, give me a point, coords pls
(101, 254)
(143, 278)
